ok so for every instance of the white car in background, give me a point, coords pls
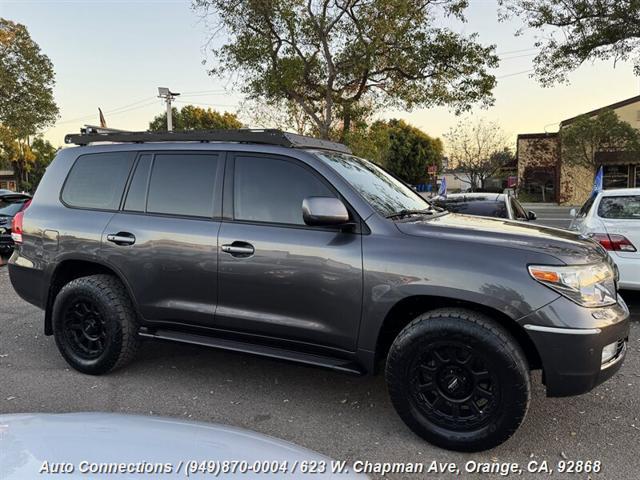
(612, 217)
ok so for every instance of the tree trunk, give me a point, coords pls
(346, 125)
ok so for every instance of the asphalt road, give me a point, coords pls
(342, 416)
(550, 215)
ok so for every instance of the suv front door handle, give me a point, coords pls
(239, 249)
(121, 238)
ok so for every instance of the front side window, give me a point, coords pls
(183, 184)
(271, 190)
(97, 180)
(386, 194)
(623, 207)
(518, 211)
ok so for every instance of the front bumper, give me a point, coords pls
(570, 339)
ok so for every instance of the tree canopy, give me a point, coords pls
(411, 151)
(26, 96)
(478, 149)
(576, 31)
(191, 117)
(401, 148)
(585, 136)
(328, 56)
(26, 82)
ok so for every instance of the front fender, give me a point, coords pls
(491, 276)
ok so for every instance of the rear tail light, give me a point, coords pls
(615, 243)
(16, 224)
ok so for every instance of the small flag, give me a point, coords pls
(443, 188)
(103, 122)
(597, 183)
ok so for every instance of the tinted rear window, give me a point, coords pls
(9, 207)
(97, 180)
(481, 208)
(137, 196)
(627, 207)
(183, 184)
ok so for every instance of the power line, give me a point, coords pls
(517, 51)
(204, 92)
(208, 104)
(519, 56)
(114, 111)
(515, 73)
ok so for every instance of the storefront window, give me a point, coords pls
(637, 184)
(616, 176)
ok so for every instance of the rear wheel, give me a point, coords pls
(94, 324)
(458, 380)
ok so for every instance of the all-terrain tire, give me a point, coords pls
(95, 325)
(458, 379)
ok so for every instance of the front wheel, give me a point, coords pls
(458, 380)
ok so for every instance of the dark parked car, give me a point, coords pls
(497, 205)
(290, 247)
(10, 204)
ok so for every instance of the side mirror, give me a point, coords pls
(573, 213)
(531, 215)
(324, 211)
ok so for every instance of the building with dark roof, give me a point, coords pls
(543, 176)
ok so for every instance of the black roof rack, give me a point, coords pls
(244, 135)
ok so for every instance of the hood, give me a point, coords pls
(568, 247)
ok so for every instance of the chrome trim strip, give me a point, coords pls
(570, 331)
(615, 359)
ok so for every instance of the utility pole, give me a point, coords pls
(168, 97)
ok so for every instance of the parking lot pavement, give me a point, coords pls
(550, 214)
(342, 416)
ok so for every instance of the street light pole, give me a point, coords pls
(168, 97)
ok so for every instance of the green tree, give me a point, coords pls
(583, 137)
(26, 95)
(43, 153)
(577, 31)
(191, 117)
(476, 149)
(372, 142)
(330, 56)
(404, 150)
(411, 151)
(282, 115)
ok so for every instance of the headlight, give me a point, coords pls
(587, 285)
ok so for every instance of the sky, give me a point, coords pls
(114, 54)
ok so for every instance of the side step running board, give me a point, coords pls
(263, 350)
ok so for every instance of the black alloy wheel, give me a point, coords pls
(453, 386)
(84, 328)
(458, 379)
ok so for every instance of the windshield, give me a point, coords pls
(385, 194)
(10, 207)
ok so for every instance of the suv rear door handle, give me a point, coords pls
(239, 249)
(122, 238)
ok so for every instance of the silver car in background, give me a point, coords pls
(107, 445)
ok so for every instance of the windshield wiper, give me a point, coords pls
(406, 213)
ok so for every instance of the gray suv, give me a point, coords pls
(290, 247)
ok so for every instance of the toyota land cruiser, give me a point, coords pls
(290, 247)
